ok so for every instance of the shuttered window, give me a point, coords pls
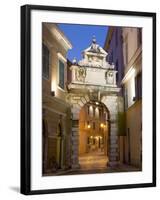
(138, 86)
(45, 61)
(61, 74)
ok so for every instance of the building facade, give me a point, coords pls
(132, 82)
(114, 46)
(56, 111)
(125, 48)
(89, 106)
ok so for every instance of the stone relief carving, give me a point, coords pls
(80, 74)
(110, 77)
(92, 62)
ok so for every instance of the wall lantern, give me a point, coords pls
(101, 125)
(88, 126)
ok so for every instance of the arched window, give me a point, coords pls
(97, 112)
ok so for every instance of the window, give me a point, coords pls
(61, 74)
(88, 110)
(45, 61)
(88, 140)
(138, 86)
(97, 113)
(139, 36)
(93, 111)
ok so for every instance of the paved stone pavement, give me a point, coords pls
(95, 162)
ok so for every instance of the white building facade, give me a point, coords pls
(132, 83)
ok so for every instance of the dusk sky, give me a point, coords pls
(81, 37)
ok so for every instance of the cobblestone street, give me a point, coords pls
(94, 160)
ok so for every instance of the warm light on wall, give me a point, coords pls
(88, 126)
(96, 112)
(53, 87)
(101, 125)
(129, 74)
(91, 111)
(132, 90)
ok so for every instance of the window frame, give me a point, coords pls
(46, 77)
(62, 59)
(59, 86)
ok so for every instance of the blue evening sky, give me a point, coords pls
(81, 36)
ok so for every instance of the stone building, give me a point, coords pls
(56, 111)
(114, 46)
(130, 78)
(84, 111)
(94, 100)
(132, 82)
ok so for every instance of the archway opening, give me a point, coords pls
(93, 135)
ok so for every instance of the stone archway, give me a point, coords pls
(111, 102)
(93, 78)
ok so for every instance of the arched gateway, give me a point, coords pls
(94, 127)
(93, 86)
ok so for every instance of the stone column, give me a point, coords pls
(75, 138)
(113, 145)
(75, 145)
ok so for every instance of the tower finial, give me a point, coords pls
(94, 39)
(74, 61)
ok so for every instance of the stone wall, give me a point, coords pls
(111, 103)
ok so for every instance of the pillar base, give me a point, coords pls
(75, 166)
(112, 163)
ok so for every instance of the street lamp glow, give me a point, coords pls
(88, 126)
(101, 125)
